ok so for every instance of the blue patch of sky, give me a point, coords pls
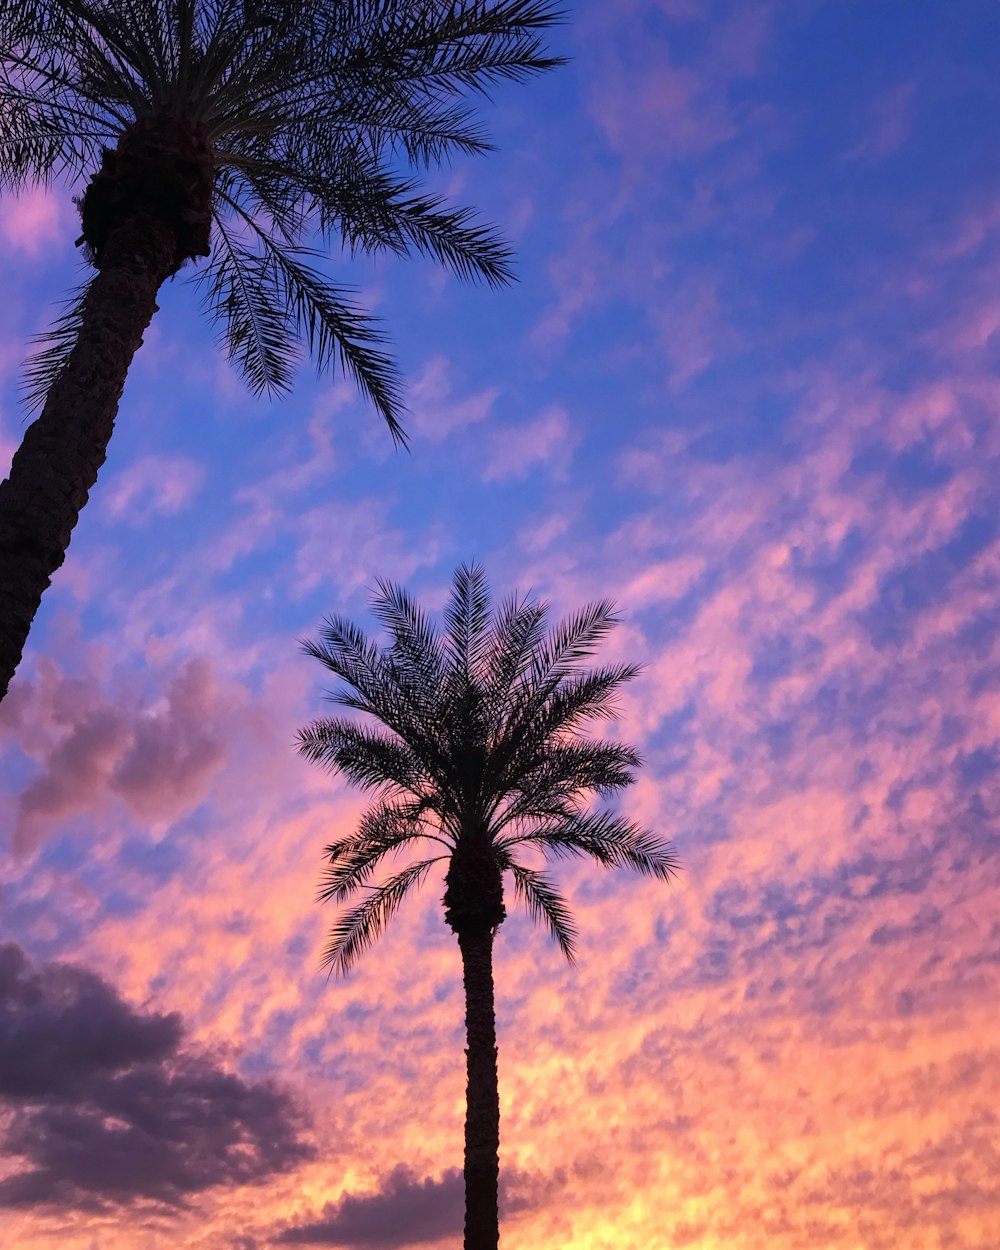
(159, 861)
(978, 766)
(829, 570)
(64, 854)
(926, 580)
(908, 474)
(777, 656)
(17, 768)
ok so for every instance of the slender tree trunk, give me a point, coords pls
(56, 466)
(482, 1098)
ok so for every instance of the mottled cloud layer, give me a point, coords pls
(746, 387)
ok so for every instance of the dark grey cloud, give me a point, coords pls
(105, 1107)
(408, 1210)
(60, 1026)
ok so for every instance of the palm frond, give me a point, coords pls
(474, 45)
(572, 640)
(354, 932)
(613, 842)
(416, 644)
(545, 711)
(384, 830)
(240, 293)
(379, 685)
(551, 784)
(517, 631)
(467, 618)
(349, 654)
(448, 236)
(585, 696)
(370, 759)
(545, 905)
(43, 367)
(336, 330)
(323, 316)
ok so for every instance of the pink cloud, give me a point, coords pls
(158, 485)
(347, 542)
(889, 124)
(577, 278)
(543, 533)
(646, 104)
(437, 412)
(93, 749)
(549, 440)
(33, 220)
(971, 329)
(741, 39)
(175, 748)
(661, 108)
(692, 329)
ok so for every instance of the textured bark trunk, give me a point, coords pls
(482, 1105)
(56, 466)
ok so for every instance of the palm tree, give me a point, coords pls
(249, 132)
(475, 751)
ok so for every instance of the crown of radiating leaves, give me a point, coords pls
(472, 730)
(322, 115)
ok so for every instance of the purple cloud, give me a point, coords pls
(406, 1210)
(105, 1108)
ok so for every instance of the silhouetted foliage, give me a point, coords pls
(245, 132)
(471, 740)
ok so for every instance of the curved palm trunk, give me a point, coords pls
(56, 466)
(482, 1105)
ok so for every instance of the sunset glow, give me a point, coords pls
(748, 387)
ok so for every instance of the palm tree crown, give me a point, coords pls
(259, 127)
(476, 749)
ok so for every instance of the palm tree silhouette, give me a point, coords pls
(475, 750)
(241, 131)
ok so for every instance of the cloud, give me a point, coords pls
(61, 1025)
(105, 1108)
(437, 413)
(156, 759)
(32, 221)
(889, 125)
(349, 541)
(409, 1210)
(153, 486)
(648, 103)
(660, 108)
(406, 1210)
(692, 328)
(549, 440)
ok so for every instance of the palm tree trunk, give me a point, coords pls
(482, 1098)
(56, 466)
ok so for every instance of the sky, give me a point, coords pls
(746, 386)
